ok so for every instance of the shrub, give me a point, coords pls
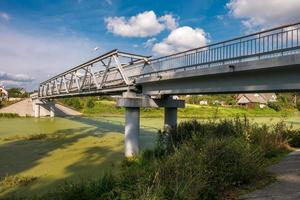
(89, 103)
(275, 106)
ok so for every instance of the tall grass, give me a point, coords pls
(198, 160)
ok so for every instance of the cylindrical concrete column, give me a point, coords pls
(170, 119)
(132, 131)
(52, 109)
(36, 110)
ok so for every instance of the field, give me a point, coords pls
(51, 151)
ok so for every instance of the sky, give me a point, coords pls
(41, 38)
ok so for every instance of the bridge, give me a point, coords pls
(261, 62)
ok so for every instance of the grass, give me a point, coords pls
(9, 115)
(107, 108)
(15, 181)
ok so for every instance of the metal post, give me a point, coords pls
(170, 119)
(132, 131)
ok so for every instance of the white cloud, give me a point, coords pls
(257, 14)
(15, 77)
(181, 39)
(142, 25)
(4, 16)
(169, 21)
(149, 43)
(39, 55)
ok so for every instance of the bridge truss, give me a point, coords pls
(108, 73)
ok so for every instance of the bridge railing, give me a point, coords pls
(269, 43)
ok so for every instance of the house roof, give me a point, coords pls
(254, 98)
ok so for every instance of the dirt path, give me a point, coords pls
(287, 186)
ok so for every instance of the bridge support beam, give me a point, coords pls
(132, 104)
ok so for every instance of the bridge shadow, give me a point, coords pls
(77, 153)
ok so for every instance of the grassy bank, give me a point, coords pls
(108, 108)
(200, 160)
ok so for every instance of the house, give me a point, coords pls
(253, 99)
(3, 93)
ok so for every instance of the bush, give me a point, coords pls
(275, 106)
(89, 103)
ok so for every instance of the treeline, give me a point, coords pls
(199, 160)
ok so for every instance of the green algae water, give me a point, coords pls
(26, 126)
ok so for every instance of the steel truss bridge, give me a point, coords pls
(116, 71)
(260, 62)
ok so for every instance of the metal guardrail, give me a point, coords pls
(269, 43)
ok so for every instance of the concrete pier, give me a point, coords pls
(132, 104)
(170, 121)
(132, 131)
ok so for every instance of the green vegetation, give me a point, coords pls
(107, 108)
(9, 115)
(225, 158)
(17, 93)
(14, 181)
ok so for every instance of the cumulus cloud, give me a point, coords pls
(181, 39)
(15, 77)
(258, 14)
(4, 16)
(142, 25)
(170, 22)
(39, 55)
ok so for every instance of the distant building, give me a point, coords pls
(3, 93)
(203, 102)
(260, 99)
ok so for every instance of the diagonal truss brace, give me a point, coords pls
(114, 69)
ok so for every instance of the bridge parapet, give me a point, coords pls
(276, 42)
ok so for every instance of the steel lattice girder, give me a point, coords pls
(108, 71)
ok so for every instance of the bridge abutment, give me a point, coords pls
(37, 109)
(132, 104)
(52, 109)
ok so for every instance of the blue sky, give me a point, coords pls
(40, 38)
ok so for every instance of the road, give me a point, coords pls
(287, 186)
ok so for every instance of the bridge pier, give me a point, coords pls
(132, 104)
(132, 131)
(170, 121)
